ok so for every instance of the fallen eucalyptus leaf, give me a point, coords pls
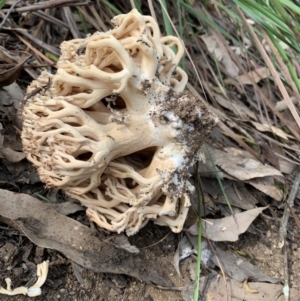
(271, 129)
(256, 76)
(9, 75)
(67, 208)
(188, 246)
(217, 290)
(184, 250)
(228, 228)
(11, 155)
(236, 106)
(238, 268)
(121, 241)
(282, 104)
(213, 46)
(241, 168)
(234, 164)
(267, 186)
(47, 228)
(13, 95)
(236, 192)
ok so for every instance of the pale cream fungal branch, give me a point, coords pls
(33, 291)
(115, 129)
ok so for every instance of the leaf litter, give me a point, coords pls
(76, 241)
(249, 181)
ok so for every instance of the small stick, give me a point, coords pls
(48, 4)
(286, 214)
(9, 12)
(286, 287)
(283, 232)
(8, 66)
(36, 52)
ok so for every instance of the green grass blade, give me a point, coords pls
(219, 180)
(199, 240)
(286, 60)
(292, 6)
(2, 3)
(112, 7)
(167, 24)
(82, 20)
(42, 197)
(137, 6)
(207, 21)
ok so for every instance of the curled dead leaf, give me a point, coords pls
(217, 290)
(11, 155)
(253, 76)
(228, 228)
(249, 289)
(10, 74)
(242, 166)
(272, 129)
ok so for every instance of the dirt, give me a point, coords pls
(265, 253)
(67, 281)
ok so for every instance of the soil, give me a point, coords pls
(67, 281)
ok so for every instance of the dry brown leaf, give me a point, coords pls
(121, 241)
(13, 95)
(286, 166)
(233, 291)
(238, 268)
(212, 46)
(282, 105)
(236, 164)
(233, 106)
(267, 186)
(272, 129)
(256, 75)
(1, 136)
(9, 75)
(236, 192)
(47, 228)
(11, 155)
(228, 228)
(268, 153)
(239, 167)
(188, 246)
(248, 288)
(231, 68)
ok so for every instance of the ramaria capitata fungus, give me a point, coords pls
(114, 127)
(33, 291)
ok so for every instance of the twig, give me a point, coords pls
(8, 66)
(49, 4)
(39, 27)
(37, 52)
(71, 22)
(9, 12)
(286, 287)
(89, 19)
(50, 18)
(156, 242)
(152, 10)
(99, 20)
(283, 232)
(275, 75)
(38, 42)
(286, 214)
